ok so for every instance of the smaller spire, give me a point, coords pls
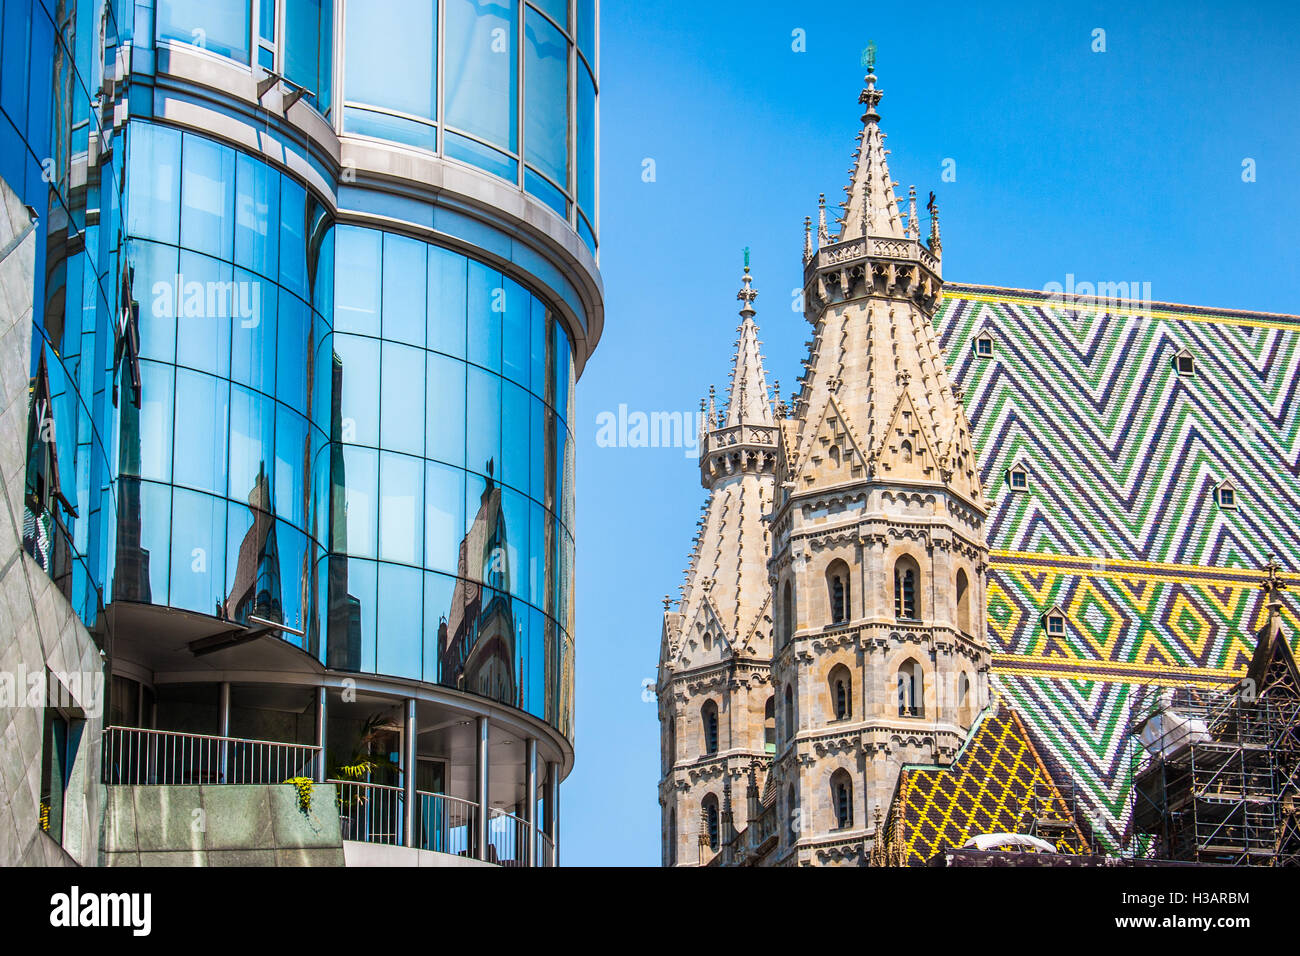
(822, 235)
(913, 225)
(807, 238)
(933, 207)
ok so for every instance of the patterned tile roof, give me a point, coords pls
(1119, 526)
(997, 784)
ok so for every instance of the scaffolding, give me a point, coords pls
(1216, 775)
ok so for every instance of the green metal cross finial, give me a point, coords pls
(869, 57)
(747, 258)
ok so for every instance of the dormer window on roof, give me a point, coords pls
(1018, 478)
(1184, 362)
(1054, 622)
(1225, 495)
(984, 344)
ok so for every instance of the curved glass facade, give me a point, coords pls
(357, 434)
(250, 407)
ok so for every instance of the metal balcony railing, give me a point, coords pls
(137, 756)
(508, 837)
(370, 812)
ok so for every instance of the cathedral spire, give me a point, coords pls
(872, 209)
(747, 397)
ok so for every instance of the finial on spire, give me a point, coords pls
(870, 96)
(935, 246)
(822, 235)
(913, 226)
(747, 294)
(807, 238)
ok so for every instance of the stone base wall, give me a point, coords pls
(38, 630)
(221, 825)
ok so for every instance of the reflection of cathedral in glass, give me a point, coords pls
(256, 590)
(477, 638)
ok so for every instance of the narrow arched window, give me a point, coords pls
(711, 821)
(905, 451)
(842, 799)
(787, 614)
(709, 723)
(672, 837)
(841, 686)
(769, 725)
(909, 689)
(791, 816)
(907, 576)
(963, 602)
(837, 583)
(964, 700)
(671, 743)
(789, 712)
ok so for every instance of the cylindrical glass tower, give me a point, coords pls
(351, 278)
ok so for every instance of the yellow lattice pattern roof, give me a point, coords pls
(998, 784)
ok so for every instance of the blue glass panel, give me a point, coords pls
(207, 196)
(360, 504)
(438, 596)
(546, 98)
(537, 553)
(257, 204)
(293, 351)
(352, 608)
(546, 191)
(445, 406)
(484, 157)
(587, 29)
(203, 406)
(293, 233)
(486, 307)
(308, 26)
(516, 450)
(14, 61)
(155, 516)
(402, 398)
(154, 287)
(198, 571)
(447, 302)
(221, 26)
(253, 332)
(586, 146)
(483, 421)
(294, 554)
(400, 622)
(586, 234)
(323, 290)
(359, 373)
(203, 341)
(252, 446)
(515, 322)
(481, 71)
(154, 182)
(392, 32)
(401, 505)
(156, 409)
(563, 374)
(537, 347)
(357, 280)
(399, 129)
(557, 10)
(514, 508)
(537, 456)
(291, 458)
(405, 278)
(444, 516)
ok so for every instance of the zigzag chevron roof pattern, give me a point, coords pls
(1119, 526)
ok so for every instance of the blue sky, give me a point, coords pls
(1117, 166)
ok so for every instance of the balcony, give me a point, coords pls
(368, 812)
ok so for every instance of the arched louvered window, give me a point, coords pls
(841, 688)
(712, 821)
(842, 799)
(907, 578)
(837, 584)
(963, 602)
(910, 689)
(709, 724)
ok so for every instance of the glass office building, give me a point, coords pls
(317, 281)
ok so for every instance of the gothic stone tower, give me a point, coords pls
(716, 710)
(878, 552)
